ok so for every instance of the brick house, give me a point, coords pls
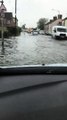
(55, 21)
(8, 19)
(64, 22)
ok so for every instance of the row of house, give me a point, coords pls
(57, 20)
(8, 19)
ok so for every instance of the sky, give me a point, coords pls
(30, 11)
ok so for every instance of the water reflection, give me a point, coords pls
(3, 50)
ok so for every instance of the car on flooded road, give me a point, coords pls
(41, 32)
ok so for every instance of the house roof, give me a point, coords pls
(2, 8)
(64, 19)
(50, 22)
(54, 19)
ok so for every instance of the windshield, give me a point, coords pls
(26, 36)
(61, 30)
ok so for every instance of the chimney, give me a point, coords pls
(59, 16)
(55, 18)
(51, 21)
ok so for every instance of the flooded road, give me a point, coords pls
(32, 50)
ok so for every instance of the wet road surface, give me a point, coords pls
(32, 50)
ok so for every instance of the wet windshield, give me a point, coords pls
(26, 36)
(61, 30)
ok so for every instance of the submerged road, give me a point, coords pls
(32, 50)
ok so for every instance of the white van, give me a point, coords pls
(59, 32)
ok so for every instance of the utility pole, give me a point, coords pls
(2, 20)
(2, 33)
(15, 17)
(15, 13)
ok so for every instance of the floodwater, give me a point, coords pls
(27, 49)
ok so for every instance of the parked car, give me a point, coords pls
(41, 32)
(59, 32)
(35, 32)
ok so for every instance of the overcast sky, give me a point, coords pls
(29, 11)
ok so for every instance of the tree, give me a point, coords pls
(41, 23)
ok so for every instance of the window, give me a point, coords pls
(61, 30)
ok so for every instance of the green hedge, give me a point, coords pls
(14, 31)
(6, 35)
(11, 32)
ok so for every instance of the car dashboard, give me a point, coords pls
(33, 93)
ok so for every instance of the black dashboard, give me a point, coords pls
(33, 93)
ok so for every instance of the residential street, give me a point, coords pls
(32, 50)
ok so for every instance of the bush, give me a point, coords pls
(6, 34)
(14, 31)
